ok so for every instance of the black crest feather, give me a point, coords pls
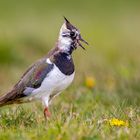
(66, 20)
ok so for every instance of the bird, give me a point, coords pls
(50, 75)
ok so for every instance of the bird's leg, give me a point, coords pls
(47, 114)
(45, 100)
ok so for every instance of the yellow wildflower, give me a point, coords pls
(90, 82)
(117, 122)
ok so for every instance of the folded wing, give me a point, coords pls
(30, 80)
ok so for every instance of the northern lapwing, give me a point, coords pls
(49, 76)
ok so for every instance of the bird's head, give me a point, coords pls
(69, 37)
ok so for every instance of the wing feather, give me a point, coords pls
(31, 79)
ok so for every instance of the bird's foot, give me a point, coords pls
(47, 114)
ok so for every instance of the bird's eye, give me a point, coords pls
(72, 34)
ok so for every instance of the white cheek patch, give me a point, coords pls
(64, 43)
(65, 40)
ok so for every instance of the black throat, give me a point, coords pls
(64, 62)
(72, 47)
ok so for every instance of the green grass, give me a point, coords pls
(28, 29)
(79, 115)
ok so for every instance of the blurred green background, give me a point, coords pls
(29, 29)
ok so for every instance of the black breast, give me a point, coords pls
(64, 62)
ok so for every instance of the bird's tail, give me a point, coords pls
(6, 98)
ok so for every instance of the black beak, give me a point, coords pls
(81, 39)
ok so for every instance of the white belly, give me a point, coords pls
(54, 83)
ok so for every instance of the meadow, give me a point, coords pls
(103, 102)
